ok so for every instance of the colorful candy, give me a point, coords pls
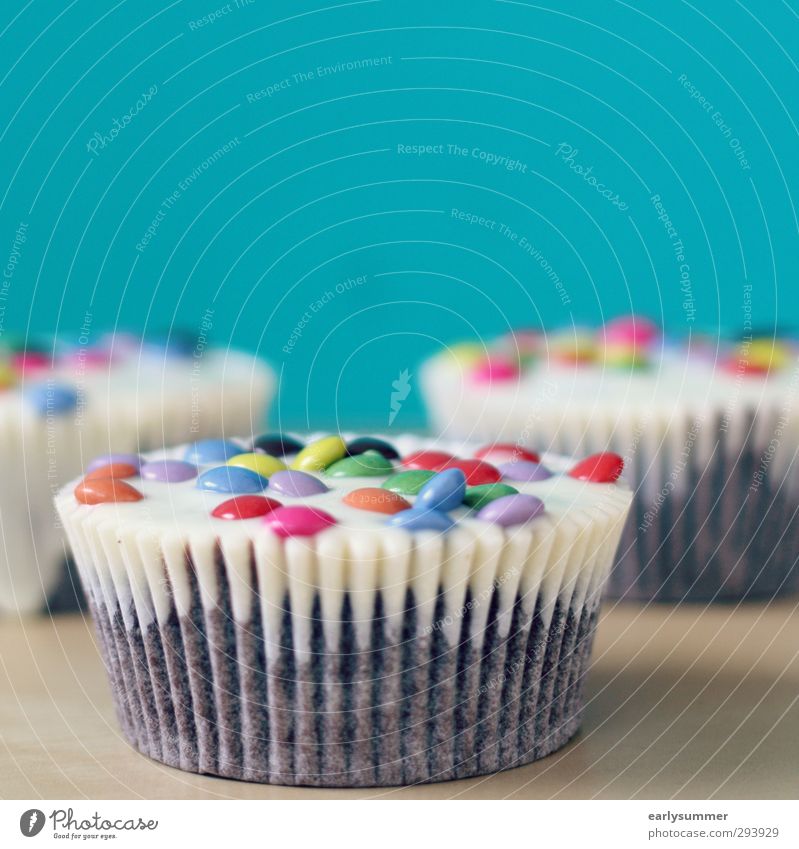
(421, 520)
(505, 452)
(444, 491)
(51, 399)
(112, 470)
(107, 459)
(478, 496)
(495, 369)
(8, 376)
(277, 444)
(376, 499)
(429, 460)
(476, 471)
(298, 521)
(630, 330)
(369, 464)
(605, 467)
(512, 510)
(317, 456)
(106, 490)
(211, 451)
(524, 470)
(408, 483)
(262, 464)
(231, 479)
(168, 471)
(572, 347)
(245, 507)
(372, 443)
(466, 354)
(296, 484)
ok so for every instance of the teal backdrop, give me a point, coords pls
(346, 187)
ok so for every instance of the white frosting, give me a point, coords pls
(125, 551)
(136, 404)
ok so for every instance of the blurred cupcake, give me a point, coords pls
(346, 612)
(60, 407)
(708, 431)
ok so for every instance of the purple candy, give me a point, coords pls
(168, 471)
(106, 460)
(524, 470)
(512, 510)
(296, 484)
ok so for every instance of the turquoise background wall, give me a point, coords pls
(343, 187)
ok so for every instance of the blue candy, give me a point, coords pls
(421, 520)
(211, 451)
(231, 479)
(48, 399)
(444, 491)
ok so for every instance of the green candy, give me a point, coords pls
(370, 464)
(408, 483)
(484, 493)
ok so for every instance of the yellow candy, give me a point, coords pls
(466, 354)
(7, 376)
(625, 356)
(317, 456)
(767, 354)
(573, 347)
(261, 464)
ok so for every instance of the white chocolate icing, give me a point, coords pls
(124, 552)
(135, 404)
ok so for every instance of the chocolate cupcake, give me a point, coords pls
(708, 431)
(353, 613)
(62, 406)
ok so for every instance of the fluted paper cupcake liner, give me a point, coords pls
(240, 659)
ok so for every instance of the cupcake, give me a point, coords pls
(346, 612)
(708, 431)
(60, 407)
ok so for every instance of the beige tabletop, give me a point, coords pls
(685, 702)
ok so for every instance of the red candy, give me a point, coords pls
(298, 521)
(105, 490)
(506, 452)
(112, 470)
(30, 361)
(599, 468)
(431, 461)
(495, 368)
(245, 507)
(477, 471)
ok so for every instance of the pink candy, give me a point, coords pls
(495, 368)
(298, 521)
(630, 330)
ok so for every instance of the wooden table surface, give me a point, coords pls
(687, 702)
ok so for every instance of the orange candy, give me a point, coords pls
(104, 490)
(377, 500)
(112, 470)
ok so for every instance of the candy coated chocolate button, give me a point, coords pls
(317, 456)
(444, 491)
(367, 465)
(107, 459)
(298, 521)
(408, 483)
(245, 507)
(505, 452)
(105, 490)
(277, 444)
(465, 354)
(421, 520)
(262, 464)
(495, 369)
(112, 470)
(231, 479)
(376, 499)
(211, 451)
(512, 510)
(7, 376)
(598, 468)
(28, 362)
(296, 484)
(168, 471)
(476, 471)
(524, 470)
(429, 460)
(49, 399)
(478, 496)
(372, 443)
(630, 330)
